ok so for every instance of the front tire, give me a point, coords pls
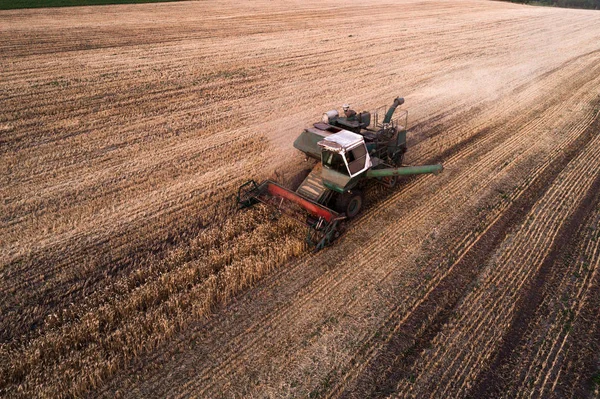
(398, 158)
(350, 203)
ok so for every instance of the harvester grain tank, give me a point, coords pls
(351, 149)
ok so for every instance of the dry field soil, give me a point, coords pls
(125, 270)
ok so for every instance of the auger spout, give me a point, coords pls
(405, 171)
(388, 115)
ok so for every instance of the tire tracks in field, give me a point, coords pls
(390, 364)
(490, 382)
(536, 258)
(453, 380)
(576, 376)
(460, 248)
(322, 285)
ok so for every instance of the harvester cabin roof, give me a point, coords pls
(341, 140)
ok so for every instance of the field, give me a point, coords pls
(17, 4)
(126, 271)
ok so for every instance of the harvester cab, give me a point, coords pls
(344, 157)
(351, 149)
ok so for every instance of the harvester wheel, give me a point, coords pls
(398, 158)
(390, 181)
(350, 203)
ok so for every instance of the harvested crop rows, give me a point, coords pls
(124, 130)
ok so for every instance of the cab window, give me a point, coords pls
(357, 157)
(334, 161)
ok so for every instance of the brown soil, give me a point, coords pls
(125, 270)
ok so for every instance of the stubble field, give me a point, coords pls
(125, 270)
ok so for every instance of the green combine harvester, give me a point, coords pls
(351, 149)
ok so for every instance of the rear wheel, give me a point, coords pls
(398, 157)
(350, 203)
(389, 181)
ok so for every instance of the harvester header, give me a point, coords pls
(352, 149)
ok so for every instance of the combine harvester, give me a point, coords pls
(351, 149)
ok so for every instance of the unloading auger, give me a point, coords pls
(351, 149)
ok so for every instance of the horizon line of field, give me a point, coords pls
(24, 4)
